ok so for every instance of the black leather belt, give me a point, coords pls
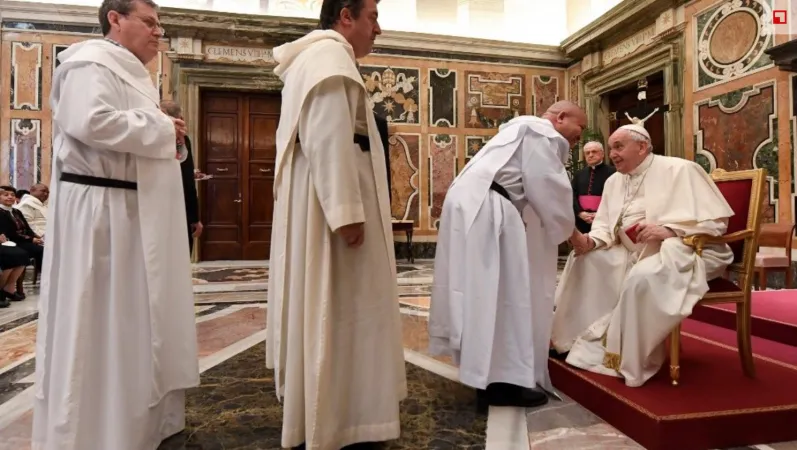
(89, 180)
(361, 139)
(500, 189)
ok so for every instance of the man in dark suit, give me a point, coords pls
(588, 185)
(189, 185)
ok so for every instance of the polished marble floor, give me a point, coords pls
(235, 406)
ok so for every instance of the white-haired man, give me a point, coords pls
(631, 280)
(588, 185)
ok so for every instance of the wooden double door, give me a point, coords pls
(239, 151)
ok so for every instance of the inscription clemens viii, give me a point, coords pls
(246, 55)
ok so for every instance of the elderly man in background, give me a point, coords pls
(33, 206)
(588, 185)
(631, 280)
(116, 345)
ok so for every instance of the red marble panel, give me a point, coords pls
(732, 135)
(405, 161)
(545, 92)
(443, 168)
(216, 334)
(17, 344)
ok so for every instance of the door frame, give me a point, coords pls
(190, 79)
(665, 54)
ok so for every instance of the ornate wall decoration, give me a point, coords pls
(442, 98)
(442, 170)
(26, 76)
(405, 158)
(25, 153)
(473, 144)
(738, 131)
(573, 89)
(731, 39)
(493, 98)
(544, 93)
(394, 92)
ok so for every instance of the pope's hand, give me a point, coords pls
(353, 234)
(179, 128)
(647, 232)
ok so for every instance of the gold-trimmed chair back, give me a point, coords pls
(744, 192)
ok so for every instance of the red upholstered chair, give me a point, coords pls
(744, 192)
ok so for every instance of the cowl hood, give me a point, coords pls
(285, 55)
(119, 60)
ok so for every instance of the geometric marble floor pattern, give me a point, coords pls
(235, 406)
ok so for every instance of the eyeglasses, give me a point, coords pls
(148, 22)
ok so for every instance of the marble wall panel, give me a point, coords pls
(443, 98)
(738, 131)
(394, 92)
(442, 170)
(26, 76)
(493, 98)
(544, 93)
(25, 152)
(405, 158)
(473, 144)
(731, 40)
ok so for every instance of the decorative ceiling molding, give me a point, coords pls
(620, 22)
(784, 55)
(274, 30)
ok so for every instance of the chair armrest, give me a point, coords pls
(699, 241)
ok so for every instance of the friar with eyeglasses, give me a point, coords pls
(117, 346)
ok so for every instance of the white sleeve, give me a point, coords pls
(547, 187)
(88, 111)
(326, 131)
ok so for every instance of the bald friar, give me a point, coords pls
(495, 276)
(631, 279)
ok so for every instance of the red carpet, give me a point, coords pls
(774, 315)
(715, 406)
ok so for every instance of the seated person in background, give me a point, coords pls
(12, 264)
(631, 280)
(33, 207)
(14, 226)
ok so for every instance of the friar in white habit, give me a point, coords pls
(492, 297)
(334, 327)
(631, 280)
(116, 344)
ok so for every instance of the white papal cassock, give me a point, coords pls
(116, 344)
(492, 298)
(334, 326)
(613, 313)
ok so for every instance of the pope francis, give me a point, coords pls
(631, 280)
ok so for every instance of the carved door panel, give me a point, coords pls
(239, 149)
(263, 118)
(222, 150)
(625, 99)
